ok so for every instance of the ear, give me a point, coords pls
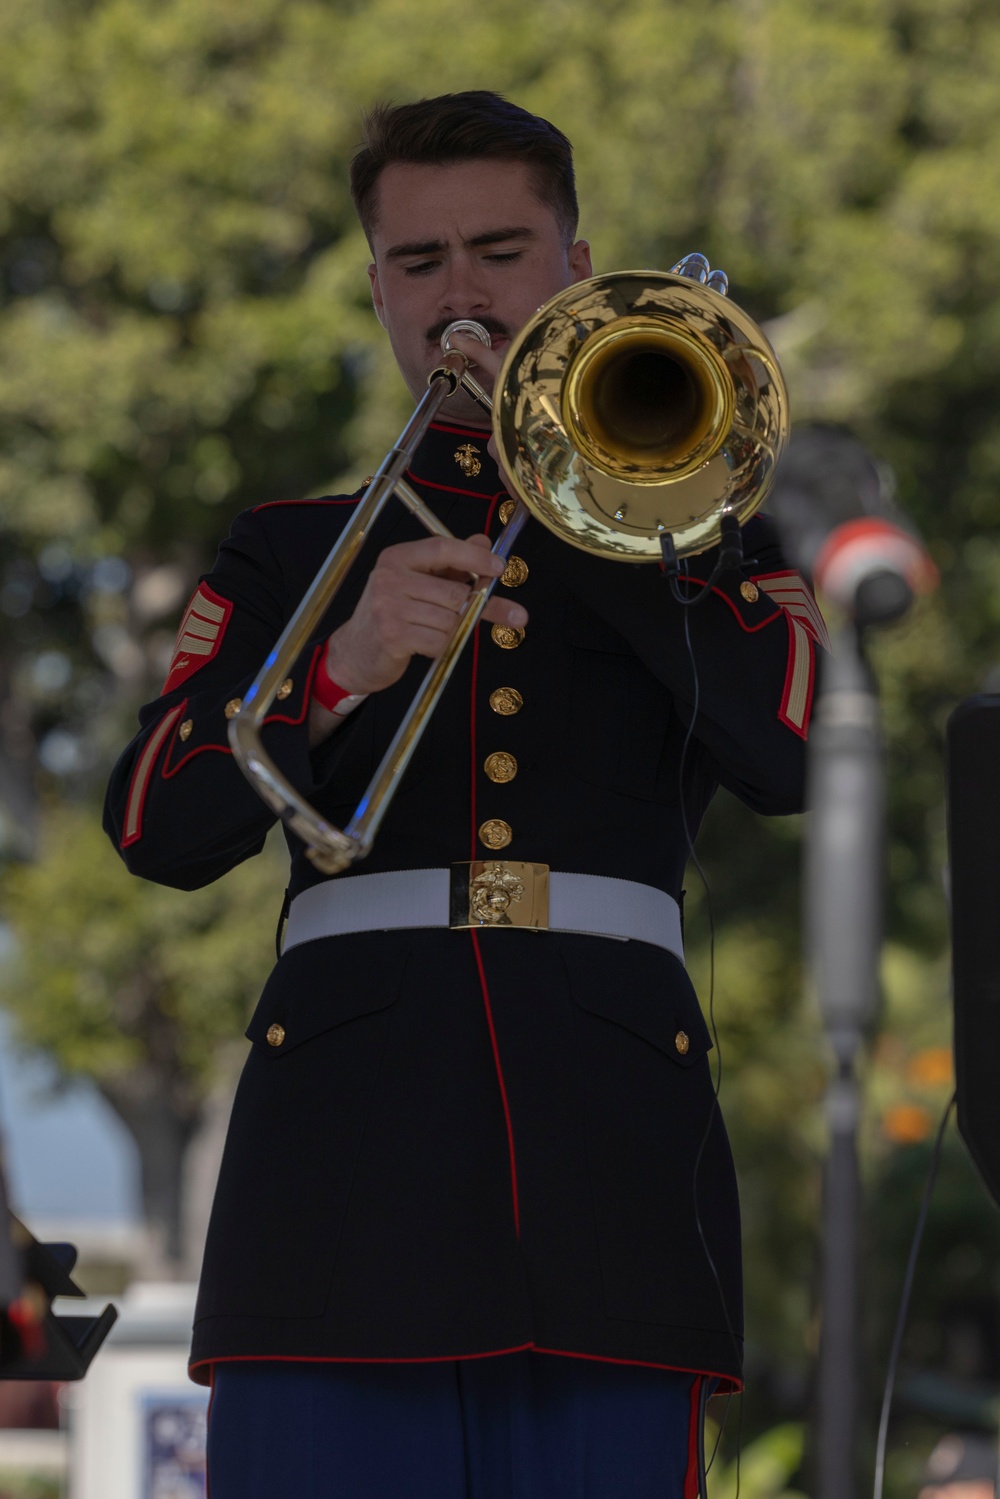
(377, 301)
(578, 258)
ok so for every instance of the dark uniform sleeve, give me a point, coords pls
(178, 807)
(740, 666)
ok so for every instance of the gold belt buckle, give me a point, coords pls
(499, 892)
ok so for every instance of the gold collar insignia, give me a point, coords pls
(468, 461)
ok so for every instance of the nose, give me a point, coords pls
(464, 292)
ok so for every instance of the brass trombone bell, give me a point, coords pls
(640, 403)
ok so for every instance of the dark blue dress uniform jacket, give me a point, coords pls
(470, 1143)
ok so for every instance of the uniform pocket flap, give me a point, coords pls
(644, 989)
(318, 985)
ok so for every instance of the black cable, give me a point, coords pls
(904, 1300)
(730, 560)
(718, 1436)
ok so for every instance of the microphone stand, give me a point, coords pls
(833, 505)
(843, 897)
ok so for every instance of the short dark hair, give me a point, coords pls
(474, 125)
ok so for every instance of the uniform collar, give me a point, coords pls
(453, 458)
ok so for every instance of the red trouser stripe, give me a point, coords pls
(694, 1442)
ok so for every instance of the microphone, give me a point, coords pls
(833, 506)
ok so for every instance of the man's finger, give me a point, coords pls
(506, 612)
(485, 360)
(441, 554)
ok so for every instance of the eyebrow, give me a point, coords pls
(435, 246)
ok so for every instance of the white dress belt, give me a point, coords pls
(597, 905)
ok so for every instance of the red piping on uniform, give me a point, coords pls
(473, 775)
(322, 1358)
(691, 1490)
(170, 771)
(503, 1089)
(749, 629)
(728, 1383)
(453, 489)
(458, 431)
(270, 504)
(473, 769)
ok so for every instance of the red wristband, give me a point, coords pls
(325, 690)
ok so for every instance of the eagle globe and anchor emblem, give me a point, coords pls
(468, 460)
(492, 893)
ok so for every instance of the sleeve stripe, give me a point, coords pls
(796, 700)
(141, 777)
(194, 645)
(205, 629)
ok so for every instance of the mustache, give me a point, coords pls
(493, 326)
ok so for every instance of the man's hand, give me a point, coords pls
(409, 608)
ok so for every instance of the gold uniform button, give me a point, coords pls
(682, 1043)
(495, 833)
(500, 767)
(515, 573)
(506, 700)
(285, 690)
(185, 730)
(233, 706)
(507, 637)
(507, 508)
(750, 592)
(275, 1035)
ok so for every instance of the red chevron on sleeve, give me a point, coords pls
(792, 592)
(200, 635)
(806, 628)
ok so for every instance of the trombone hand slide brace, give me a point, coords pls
(332, 849)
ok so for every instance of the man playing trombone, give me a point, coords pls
(476, 1230)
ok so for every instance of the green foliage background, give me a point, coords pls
(185, 330)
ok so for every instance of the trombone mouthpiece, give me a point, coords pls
(467, 326)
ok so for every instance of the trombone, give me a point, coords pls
(632, 409)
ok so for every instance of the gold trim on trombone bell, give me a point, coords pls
(638, 403)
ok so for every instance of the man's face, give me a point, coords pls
(467, 240)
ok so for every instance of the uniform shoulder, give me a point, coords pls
(306, 505)
(276, 524)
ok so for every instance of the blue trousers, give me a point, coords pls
(515, 1426)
